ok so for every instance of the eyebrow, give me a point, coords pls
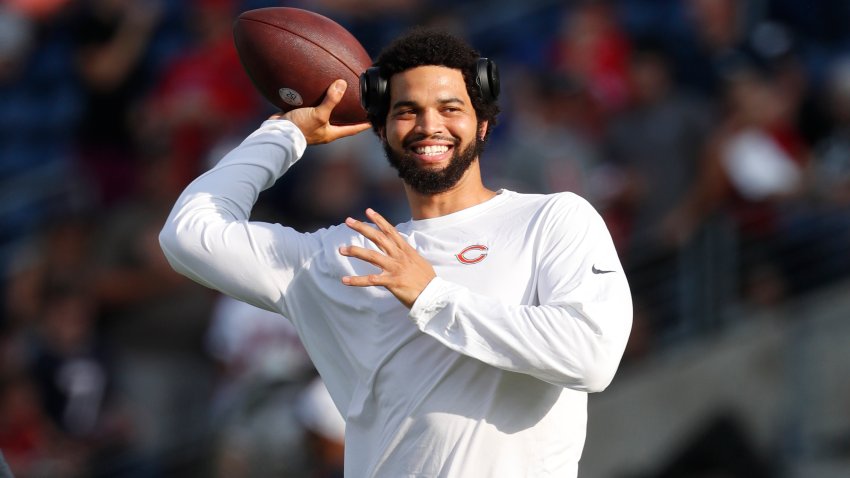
(413, 104)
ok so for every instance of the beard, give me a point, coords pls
(430, 181)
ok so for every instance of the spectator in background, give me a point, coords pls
(753, 168)
(70, 364)
(336, 181)
(69, 361)
(830, 172)
(60, 256)
(715, 30)
(332, 189)
(263, 369)
(551, 146)
(592, 47)
(38, 106)
(30, 435)
(339, 179)
(656, 141)
(816, 233)
(781, 50)
(204, 97)
(111, 40)
(375, 22)
(155, 321)
(32, 446)
(655, 144)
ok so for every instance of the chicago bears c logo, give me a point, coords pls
(472, 254)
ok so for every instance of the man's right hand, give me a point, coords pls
(314, 122)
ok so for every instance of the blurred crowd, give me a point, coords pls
(712, 135)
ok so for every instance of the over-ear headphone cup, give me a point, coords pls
(488, 79)
(373, 88)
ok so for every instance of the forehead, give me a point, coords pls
(428, 82)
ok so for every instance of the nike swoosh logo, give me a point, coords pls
(598, 271)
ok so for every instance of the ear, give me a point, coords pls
(482, 130)
(382, 133)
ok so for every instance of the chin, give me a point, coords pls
(433, 178)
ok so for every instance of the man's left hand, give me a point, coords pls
(404, 272)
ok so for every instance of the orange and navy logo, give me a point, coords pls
(472, 254)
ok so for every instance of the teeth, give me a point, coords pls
(431, 150)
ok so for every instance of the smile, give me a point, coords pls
(431, 150)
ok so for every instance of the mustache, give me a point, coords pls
(419, 137)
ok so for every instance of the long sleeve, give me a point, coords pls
(208, 237)
(574, 337)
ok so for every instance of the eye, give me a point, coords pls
(404, 113)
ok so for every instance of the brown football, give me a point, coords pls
(293, 55)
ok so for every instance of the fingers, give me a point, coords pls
(333, 96)
(389, 231)
(381, 238)
(403, 271)
(350, 130)
(363, 281)
(314, 122)
(378, 237)
(373, 257)
(380, 222)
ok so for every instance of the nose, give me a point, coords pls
(429, 122)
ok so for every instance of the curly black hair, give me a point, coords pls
(426, 46)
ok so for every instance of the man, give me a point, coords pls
(461, 343)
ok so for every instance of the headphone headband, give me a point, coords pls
(374, 89)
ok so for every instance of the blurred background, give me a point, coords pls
(712, 135)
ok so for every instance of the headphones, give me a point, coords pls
(374, 93)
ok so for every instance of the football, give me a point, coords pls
(292, 56)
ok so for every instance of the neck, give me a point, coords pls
(469, 191)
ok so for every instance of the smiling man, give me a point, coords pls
(461, 343)
(423, 141)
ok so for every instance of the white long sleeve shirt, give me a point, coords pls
(485, 376)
